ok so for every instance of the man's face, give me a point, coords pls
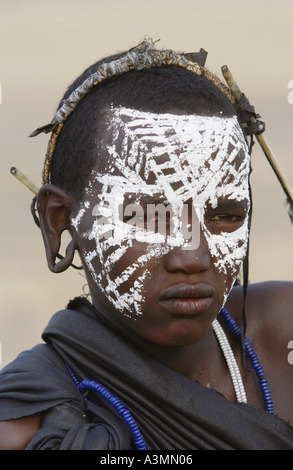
(163, 227)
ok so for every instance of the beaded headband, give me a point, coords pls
(141, 57)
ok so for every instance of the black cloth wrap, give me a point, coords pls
(172, 411)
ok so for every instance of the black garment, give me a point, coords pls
(171, 410)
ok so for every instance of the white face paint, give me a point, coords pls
(181, 158)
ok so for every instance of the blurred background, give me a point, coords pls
(46, 44)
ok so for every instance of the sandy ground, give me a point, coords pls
(44, 45)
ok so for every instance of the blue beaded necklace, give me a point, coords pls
(125, 414)
(263, 381)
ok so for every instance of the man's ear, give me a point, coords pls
(54, 207)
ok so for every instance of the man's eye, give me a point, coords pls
(227, 218)
(219, 223)
(156, 221)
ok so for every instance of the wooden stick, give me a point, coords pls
(23, 179)
(235, 90)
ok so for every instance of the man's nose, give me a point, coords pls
(189, 260)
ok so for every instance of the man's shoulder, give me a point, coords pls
(268, 308)
(271, 302)
(42, 359)
(267, 303)
(36, 380)
(269, 290)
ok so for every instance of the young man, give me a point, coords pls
(148, 169)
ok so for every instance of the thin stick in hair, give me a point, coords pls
(24, 180)
(235, 90)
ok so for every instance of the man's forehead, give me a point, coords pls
(135, 138)
(176, 155)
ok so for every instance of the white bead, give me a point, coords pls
(231, 362)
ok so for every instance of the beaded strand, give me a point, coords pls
(231, 362)
(263, 381)
(125, 414)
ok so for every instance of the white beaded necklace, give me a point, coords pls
(231, 362)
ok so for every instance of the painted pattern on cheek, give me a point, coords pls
(189, 157)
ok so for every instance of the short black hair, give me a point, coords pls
(159, 90)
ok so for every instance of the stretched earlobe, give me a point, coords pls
(54, 207)
(65, 261)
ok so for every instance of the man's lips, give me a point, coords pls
(187, 299)
(187, 291)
